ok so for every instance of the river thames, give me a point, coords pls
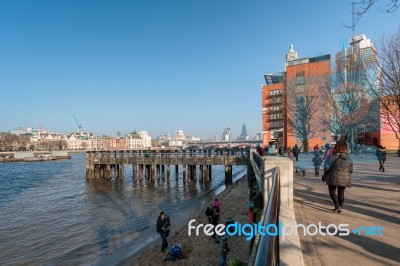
(52, 215)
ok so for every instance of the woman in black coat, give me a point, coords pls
(339, 176)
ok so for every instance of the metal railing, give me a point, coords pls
(266, 247)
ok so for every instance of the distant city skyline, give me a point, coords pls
(119, 133)
(157, 65)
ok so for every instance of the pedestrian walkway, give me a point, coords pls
(373, 200)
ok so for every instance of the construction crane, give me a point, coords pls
(80, 130)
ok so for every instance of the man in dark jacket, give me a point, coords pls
(215, 221)
(163, 225)
(381, 156)
(296, 152)
(339, 176)
(209, 213)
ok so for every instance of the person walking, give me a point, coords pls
(209, 213)
(280, 150)
(215, 221)
(296, 152)
(338, 177)
(316, 148)
(223, 251)
(381, 156)
(289, 151)
(327, 157)
(216, 205)
(163, 226)
(317, 160)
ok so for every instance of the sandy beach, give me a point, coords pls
(203, 250)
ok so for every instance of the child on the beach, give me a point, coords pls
(175, 252)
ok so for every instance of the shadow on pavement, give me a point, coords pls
(322, 198)
(374, 246)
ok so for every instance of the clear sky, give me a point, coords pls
(158, 65)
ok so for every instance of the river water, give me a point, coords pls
(52, 215)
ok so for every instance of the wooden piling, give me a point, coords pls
(108, 165)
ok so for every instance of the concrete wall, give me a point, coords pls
(23, 154)
(286, 177)
(59, 153)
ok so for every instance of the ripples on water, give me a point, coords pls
(50, 214)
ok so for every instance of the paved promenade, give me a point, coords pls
(374, 199)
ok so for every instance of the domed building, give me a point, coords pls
(179, 140)
(180, 135)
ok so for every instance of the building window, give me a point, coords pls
(300, 78)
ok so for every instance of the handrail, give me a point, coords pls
(268, 246)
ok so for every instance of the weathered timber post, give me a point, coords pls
(184, 164)
(209, 173)
(148, 171)
(201, 174)
(91, 164)
(108, 166)
(87, 164)
(97, 167)
(141, 172)
(163, 171)
(116, 167)
(228, 167)
(176, 171)
(194, 173)
(158, 171)
(168, 162)
(189, 172)
(134, 165)
(153, 166)
(121, 164)
(228, 174)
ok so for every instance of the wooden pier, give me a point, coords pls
(157, 164)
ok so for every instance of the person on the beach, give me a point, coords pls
(223, 251)
(175, 252)
(216, 205)
(209, 213)
(215, 221)
(163, 226)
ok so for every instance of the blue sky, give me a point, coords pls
(158, 65)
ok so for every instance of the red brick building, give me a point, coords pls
(304, 74)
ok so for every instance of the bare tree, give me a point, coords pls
(306, 108)
(355, 108)
(12, 142)
(362, 7)
(389, 89)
